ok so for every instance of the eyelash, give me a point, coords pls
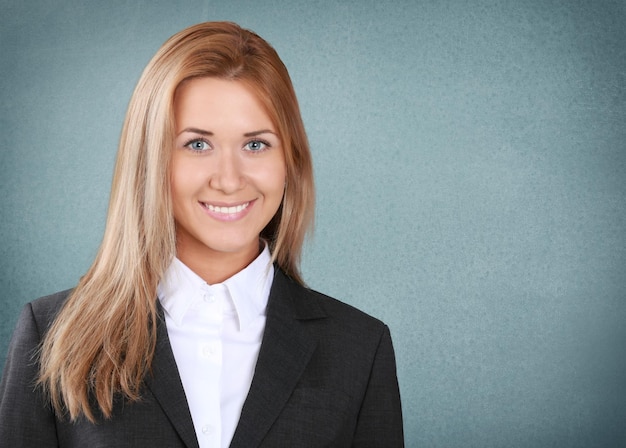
(265, 147)
(189, 146)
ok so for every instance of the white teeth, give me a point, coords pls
(227, 210)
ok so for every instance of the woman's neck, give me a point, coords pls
(213, 266)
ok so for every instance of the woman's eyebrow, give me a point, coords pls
(209, 133)
(196, 131)
(255, 133)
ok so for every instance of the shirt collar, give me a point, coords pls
(249, 289)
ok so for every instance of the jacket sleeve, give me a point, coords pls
(26, 419)
(380, 418)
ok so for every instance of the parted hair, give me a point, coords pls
(102, 342)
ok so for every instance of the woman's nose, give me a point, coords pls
(226, 175)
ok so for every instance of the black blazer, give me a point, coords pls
(325, 377)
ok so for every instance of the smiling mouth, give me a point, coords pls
(226, 210)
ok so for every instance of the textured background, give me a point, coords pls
(470, 162)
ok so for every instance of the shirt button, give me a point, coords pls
(207, 351)
(207, 429)
(209, 298)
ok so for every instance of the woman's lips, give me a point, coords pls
(227, 212)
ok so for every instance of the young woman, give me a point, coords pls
(193, 327)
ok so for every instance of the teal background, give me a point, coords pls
(470, 163)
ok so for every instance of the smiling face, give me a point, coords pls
(227, 175)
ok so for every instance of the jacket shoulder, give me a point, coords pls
(26, 418)
(344, 312)
(45, 309)
(335, 316)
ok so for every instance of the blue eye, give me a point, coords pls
(198, 145)
(256, 146)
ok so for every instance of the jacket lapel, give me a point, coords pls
(283, 357)
(164, 382)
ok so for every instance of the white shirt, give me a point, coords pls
(215, 332)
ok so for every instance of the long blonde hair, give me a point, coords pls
(103, 340)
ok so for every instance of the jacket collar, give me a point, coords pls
(285, 351)
(164, 382)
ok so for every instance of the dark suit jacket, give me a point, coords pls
(325, 377)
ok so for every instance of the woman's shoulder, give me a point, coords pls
(50, 303)
(333, 314)
(45, 309)
(338, 309)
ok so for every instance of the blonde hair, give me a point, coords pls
(103, 340)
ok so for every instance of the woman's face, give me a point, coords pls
(227, 171)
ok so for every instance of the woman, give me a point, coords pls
(193, 326)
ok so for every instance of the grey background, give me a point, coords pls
(470, 162)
